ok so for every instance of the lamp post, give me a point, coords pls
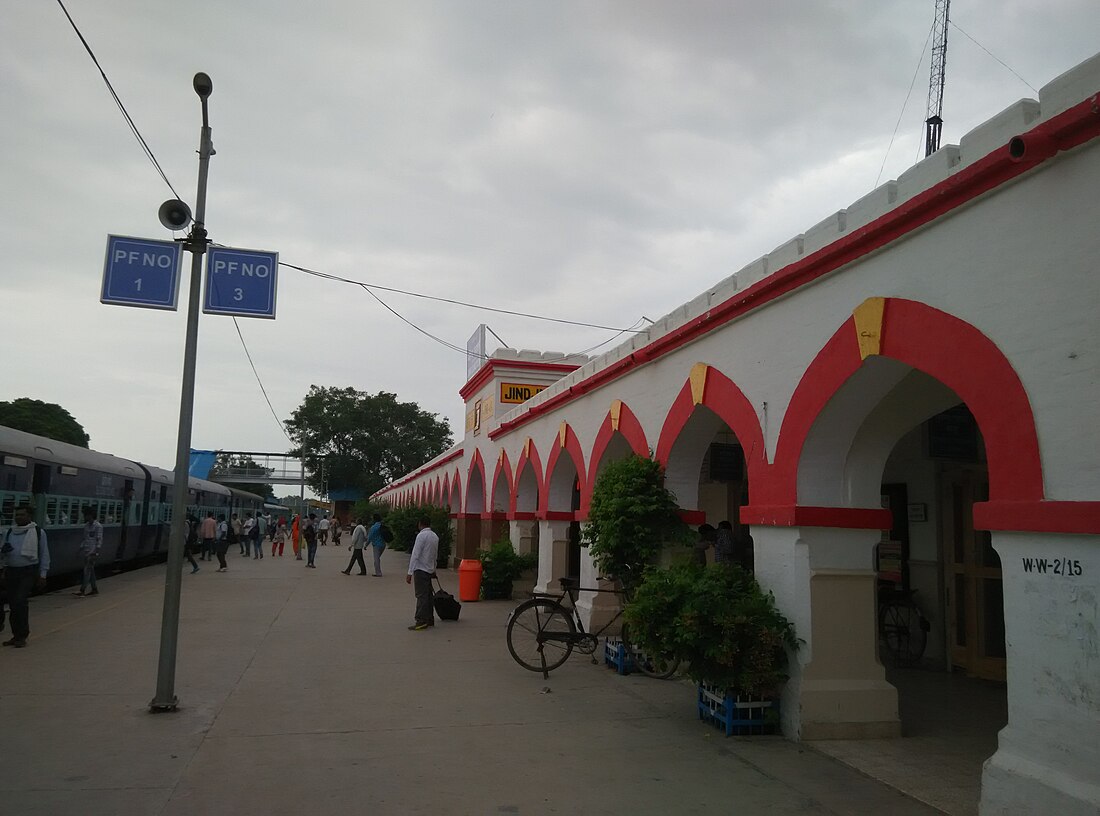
(195, 243)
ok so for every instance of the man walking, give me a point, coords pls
(90, 546)
(322, 530)
(358, 541)
(208, 531)
(421, 569)
(26, 556)
(258, 533)
(378, 544)
(310, 534)
(223, 542)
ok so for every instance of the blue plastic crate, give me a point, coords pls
(736, 715)
(615, 654)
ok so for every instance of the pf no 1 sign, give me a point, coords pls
(241, 282)
(141, 272)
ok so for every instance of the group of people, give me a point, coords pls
(25, 555)
(730, 546)
(214, 536)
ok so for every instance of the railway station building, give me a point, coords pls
(908, 392)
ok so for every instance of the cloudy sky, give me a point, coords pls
(593, 161)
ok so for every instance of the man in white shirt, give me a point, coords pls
(90, 546)
(421, 569)
(322, 530)
(358, 542)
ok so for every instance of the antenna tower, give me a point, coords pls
(934, 122)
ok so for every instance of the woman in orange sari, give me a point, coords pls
(294, 539)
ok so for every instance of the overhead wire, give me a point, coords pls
(904, 104)
(452, 301)
(152, 157)
(126, 114)
(1006, 65)
(369, 288)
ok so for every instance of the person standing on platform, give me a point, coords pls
(25, 554)
(378, 544)
(235, 536)
(191, 540)
(258, 534)
(336, 530)
(223, 541)
(295, 537)
(90, 546)
(322, 530)
(246, 534)
(358, 542)
(278, 537)
(310, 535)
(209, 533)
(421, 569)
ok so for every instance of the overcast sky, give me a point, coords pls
(595, 161)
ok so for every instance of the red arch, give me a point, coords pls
(476, 463)
(529, 458)
(436, 494)
(953, 352)
(573, 448)
(456, 487)
(445, 492)
(502, 465)
(632, 431)
(722, 396)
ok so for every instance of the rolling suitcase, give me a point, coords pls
(445, 604)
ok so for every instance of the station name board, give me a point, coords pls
(515, 393)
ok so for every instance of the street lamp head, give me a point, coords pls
(203, 85)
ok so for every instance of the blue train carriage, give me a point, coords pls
(61, 480)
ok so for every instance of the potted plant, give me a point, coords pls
(632, 517)
(500, 566)
(719, 621)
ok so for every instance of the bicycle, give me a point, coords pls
(544, 631)
(903, 628)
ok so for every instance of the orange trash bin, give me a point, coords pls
(469, 579)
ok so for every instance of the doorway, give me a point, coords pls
(972, 581)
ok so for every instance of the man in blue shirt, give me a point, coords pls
(378, 544)
(26, 557)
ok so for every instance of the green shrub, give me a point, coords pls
(403, 521)
(717, 619)
(632, 517)
(500, 566)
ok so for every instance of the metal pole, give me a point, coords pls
(165, 699)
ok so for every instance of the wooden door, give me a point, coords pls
(973, 588)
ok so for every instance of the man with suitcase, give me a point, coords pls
(421, 569)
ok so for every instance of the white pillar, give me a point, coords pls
(1049, 752)
(596, 608)
(523, 535)
(553, 554)
(824, 583)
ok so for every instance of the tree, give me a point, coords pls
(363, 441)
(43, 418)
(226, 466)
(631, 517)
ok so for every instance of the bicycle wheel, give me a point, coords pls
(541, 633)
(903, 631)
(654, 666)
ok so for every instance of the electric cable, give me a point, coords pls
(129, 121)
(955, 25)
(452, 301)
(260, 382)
(904, 104)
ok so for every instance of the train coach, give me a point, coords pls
(132, 501)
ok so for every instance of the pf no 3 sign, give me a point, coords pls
(241, 282)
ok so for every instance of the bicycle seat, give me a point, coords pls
(567, 583)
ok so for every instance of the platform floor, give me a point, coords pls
(302, 691)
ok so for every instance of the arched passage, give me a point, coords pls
(620, 435)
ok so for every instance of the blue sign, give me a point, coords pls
(140, 272)
(241, 282)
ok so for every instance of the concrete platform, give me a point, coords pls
(302, 691)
